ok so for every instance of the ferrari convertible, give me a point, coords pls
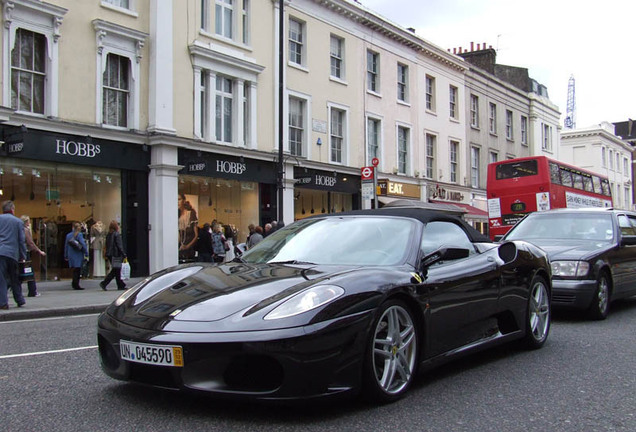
(344, 303)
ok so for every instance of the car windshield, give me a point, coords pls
(351, 240)
(559, 226)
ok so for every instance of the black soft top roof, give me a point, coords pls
(423, 215)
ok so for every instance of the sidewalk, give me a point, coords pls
(57, 298)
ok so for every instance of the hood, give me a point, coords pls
(571, 249)
(208, 293)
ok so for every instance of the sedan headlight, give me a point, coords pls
(570, 268)
(306, 301)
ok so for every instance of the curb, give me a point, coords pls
(50, 313)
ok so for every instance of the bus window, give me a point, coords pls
(596, 180)
(577, 180)
(566, 177)
(516, 169)
(554, 173)
(587, 183)
(606, 187)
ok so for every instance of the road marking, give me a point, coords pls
(46, 352)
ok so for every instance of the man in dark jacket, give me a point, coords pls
(12, 250)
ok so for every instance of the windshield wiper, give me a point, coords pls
(291, 262)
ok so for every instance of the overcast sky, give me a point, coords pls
(592, 40)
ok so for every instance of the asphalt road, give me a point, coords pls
(582, 380)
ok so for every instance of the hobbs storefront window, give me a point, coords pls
(59, 179)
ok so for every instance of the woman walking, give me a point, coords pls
(75, 251)
(116, 256)
(31, 249)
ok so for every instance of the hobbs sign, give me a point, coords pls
(76, 148)
(323, 180)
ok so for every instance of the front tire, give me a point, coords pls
(391, 354)
(538, 314)
(599, 309)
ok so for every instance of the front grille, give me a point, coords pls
(160, 376)
(563, 298)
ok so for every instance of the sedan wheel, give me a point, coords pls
(392, 353)
(599, 309)
(538, 318)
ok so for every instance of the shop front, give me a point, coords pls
(317, 192)
(445, 194)
(231, 190)
(57, 179)
(389, 191)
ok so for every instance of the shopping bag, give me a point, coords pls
(125, 270)
(26, 271)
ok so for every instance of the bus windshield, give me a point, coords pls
(516, 169)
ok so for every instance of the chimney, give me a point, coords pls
(478, 47)
(472, 46)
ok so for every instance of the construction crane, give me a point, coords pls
(570, 112)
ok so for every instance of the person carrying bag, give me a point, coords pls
(116, 255)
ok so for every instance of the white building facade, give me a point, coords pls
(598, 149)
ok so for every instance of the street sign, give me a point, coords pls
(367, 191)
(366, 173)
(375, 162)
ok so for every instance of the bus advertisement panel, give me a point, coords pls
(520, 186)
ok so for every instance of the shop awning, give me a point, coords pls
(472, 212)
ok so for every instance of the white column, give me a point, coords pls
(239, 86)
(211, 94)
(161, 80)
(198, 133)
(252, 105)
(163, 189)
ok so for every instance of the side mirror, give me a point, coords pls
(442, 254)
(628, 240)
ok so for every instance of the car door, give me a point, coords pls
(461, 294)
(624, 259)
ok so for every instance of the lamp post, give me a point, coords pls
(281, 166)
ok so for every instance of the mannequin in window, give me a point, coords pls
(98, 237)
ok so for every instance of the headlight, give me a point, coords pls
(306, 301)
(570, 268)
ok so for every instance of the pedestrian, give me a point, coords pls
(219, 243)
(255, 238)
(250, 231)
(75, 252)
(12, 250)
(204, 243)
(268, 229)
(32, 249)
(116, 255)
(229, 238)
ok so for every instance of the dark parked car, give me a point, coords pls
(592, 254)
(328, 305)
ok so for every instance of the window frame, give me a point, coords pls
(224, 6)
(475, 161)
(453, 152)
(303, 127)
(373, 75)
(430, 144)
(338, 58)
(524, 130)
(42, 18)
(124, 42)
(403, 83)
(403, 148)
(453, 95)
(300, 42)
(123, 67)
(474, 111)
(343, 134)
(492, 118)
(509, 125)
(430, 94)
(378, 134)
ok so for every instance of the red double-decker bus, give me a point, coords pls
(516, 187)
